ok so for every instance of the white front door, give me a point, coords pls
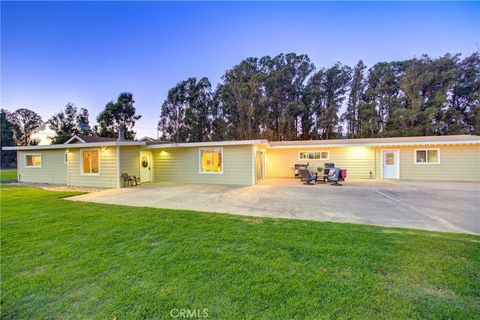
(145, 166)
(390, 164)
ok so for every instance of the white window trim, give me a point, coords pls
(426, 163)
(33, 154)
(200, 160)
(81, 162)
(320, 151)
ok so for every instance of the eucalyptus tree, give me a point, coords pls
(326, 93)
(285, 98)
(241, 100)
(426, 85)
(119, 113)
(463, 114)
(285, 81)
(186, 113)
(357, 87)
(69, 122)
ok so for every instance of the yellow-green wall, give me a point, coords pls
(457, 163)
(182, 165)
(53, 169)
(359, 161)
(129, 161)
(107, 178)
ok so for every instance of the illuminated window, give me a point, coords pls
(211, 160)
(90, 162)
(33, 160)
(390, 158)
(314, 155)
(427, 156)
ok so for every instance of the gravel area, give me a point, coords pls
(58, 187)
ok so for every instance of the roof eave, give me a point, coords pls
(374, 144)
(207, 144)
(77, 145)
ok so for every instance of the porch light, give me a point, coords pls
(359, 151)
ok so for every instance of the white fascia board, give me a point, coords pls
(77, 145)
(74, 137)
(130, 143)
(423, 143)
(206, 144)
(376, 144)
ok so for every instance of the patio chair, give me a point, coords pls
(335, 175)
(297, 168)
(307, 177)
(129, 180)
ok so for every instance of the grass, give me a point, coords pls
(71, 260)
(8, 175)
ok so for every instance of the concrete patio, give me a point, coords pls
(440, 206)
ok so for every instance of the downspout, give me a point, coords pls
(18, 171)
(68, 161)
(253, 165)
(118, 166)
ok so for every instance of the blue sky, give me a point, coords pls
(87, 53)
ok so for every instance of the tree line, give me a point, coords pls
(20, 126)
(287, 98)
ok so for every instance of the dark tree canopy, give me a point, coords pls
(186, 114)
(357, 86)
(7, 138)
(286, 98)
(69, 122)
(26, 123)
(116, 114)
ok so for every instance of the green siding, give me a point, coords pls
(129, 162)
(457, 163)
(182, 165)
(108, 177)
(53, 169)
(359, 161)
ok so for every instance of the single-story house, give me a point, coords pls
(100, 162)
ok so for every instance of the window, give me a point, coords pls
(427, 156)
(33, 160)
(211, 160)
(390, 158)
(90, 162)
(314, 155)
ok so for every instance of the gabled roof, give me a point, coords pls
(88, 139)
(148, 139)
(81, 141)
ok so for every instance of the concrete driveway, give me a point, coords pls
(440, 206)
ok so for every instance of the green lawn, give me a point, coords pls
(72, 260)
(8, 175)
